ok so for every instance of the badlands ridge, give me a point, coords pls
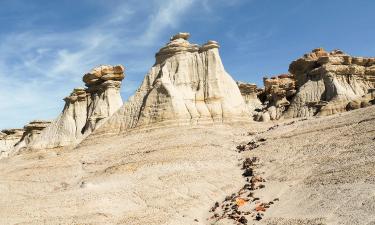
(194, 146)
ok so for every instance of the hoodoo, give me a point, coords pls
(279, 91)
(328, 81)
(320, 83)
(85, 108)
(187, 85)
(32, 130)
(250, 93)
(8, 138)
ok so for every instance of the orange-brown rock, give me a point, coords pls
(279, 91)
(327, 82)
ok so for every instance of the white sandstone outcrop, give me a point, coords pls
(8, 138)
(249, 93)
(187, 85)
(328, 82)
(31, 131)
(85, 108)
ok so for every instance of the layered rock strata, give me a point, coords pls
(85, 108)
(279, 91)
(250, 93)
(187, 85)
(8, 138)
(31, 131)
(328, 82)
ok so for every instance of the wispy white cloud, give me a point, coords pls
(38, 68)
(168, 15)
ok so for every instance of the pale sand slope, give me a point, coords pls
(154, 177)
(321, 169)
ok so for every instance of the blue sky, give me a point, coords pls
(46, 46)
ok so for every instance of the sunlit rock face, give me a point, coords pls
(278, 91)
(249, 92)
(8, 138)
(31, 131)
(187, 85)
(85, 108)
(328, 81)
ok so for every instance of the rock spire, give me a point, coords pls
(187, 85)
(85, 108)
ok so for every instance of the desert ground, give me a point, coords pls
(314, 170)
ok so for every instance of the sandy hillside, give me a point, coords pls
(314, 171)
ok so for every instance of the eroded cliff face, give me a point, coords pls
(187, 85)
(31, 131)
(85, 109)
(8, 138)
(319, 83)
(328, 82)
(278, 91)
(250, 92)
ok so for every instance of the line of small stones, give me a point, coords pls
(229, 207)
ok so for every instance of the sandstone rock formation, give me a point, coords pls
(250, 93)
(320, 83)
(279, 91)
(275, 97)
(328, 81)
(8, 138)
(187, 85)
(85, 108)
(31, 131)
